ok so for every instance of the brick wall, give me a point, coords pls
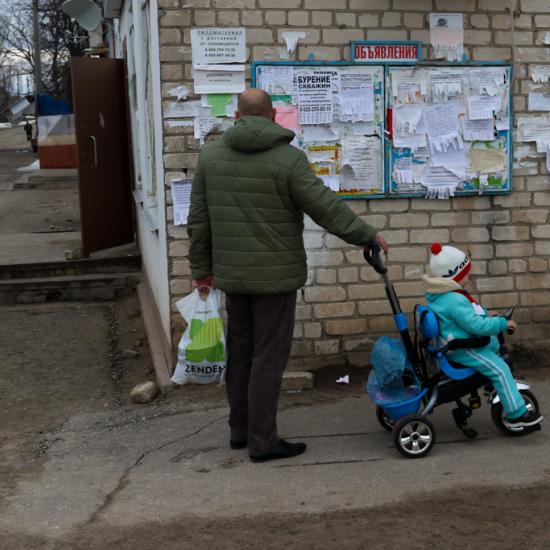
(343, 307)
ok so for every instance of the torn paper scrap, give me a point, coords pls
(485, 161)
(291, 39)
(540, 73)
(539, 102)
(447, 35)
(179, 123)
(441, 122)
(483, 106)
(219, 79)
(181, 109)
(332, 182)
(181, 92)
(406, 118)
(181, 199)
(220, 104)
(454, 160)
(502, 122)
(478, 130)
(205, 123)
(287, 117)
(439, 182)
(343, 379)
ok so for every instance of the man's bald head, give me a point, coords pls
(255, 102)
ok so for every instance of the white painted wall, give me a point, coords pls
(150, 199)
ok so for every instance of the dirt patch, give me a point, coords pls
(60, 360)
(465, 519)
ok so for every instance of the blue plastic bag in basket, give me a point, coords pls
(389, 360)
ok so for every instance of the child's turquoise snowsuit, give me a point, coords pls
(457, 319)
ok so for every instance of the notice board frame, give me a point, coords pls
(387, 164)
(509, 136)
(314, 63)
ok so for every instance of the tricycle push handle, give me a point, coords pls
(373, 258)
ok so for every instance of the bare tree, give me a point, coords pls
(60, 38)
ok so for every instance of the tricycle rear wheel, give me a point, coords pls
(384, 420)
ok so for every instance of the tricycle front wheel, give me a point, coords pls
(414, 436)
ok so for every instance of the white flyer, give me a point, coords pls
(447, 35)
(218, 45)
(483, 106)
(182, 109)
(539, 102)
(181, 199)
(356, 97)
(219, 79)
(487, 81)
(478, 130)
(276, 79)
(361, 163)
(314, 94)
(441, 122)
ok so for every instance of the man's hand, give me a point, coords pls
(206, 283)
(381, 242)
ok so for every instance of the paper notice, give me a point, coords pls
(483, 106)
(539, 102)
(356, 97)
(222, 104)
(287, 117)
(320, 134)
(276, 79)
(445, 83)
(442, 126)
(408, 86)
(478, 130)
(410, 141)
(182, 109)
(402, 170)
(218, 45)
(363, 128)
(361, 163)
(484, 161)
(219, 79)
(314, 95)
(502, 122)
(487, 81)
(181, 199)
(447, 35)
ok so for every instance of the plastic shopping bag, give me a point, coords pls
(201, 351)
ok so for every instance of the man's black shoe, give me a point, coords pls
(238, 444)
(283, 449)
(530, 418)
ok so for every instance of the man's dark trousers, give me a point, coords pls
(259, 339)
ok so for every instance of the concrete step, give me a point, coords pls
(85, 266)
(86, 287)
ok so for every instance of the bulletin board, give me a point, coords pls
(449, 129)
(337, 113)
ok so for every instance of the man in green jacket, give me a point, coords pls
(249, 194)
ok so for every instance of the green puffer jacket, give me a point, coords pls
(246, 218)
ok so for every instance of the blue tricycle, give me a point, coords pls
(430, 378)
